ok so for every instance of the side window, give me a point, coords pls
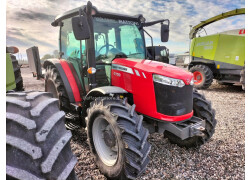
(71, 46)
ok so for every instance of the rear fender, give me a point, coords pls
(69, 77)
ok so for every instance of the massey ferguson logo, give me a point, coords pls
(117, 74)
(122, 68)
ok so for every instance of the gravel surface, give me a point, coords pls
(223, 157)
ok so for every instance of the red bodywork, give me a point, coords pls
(140, 84)
(71, 80)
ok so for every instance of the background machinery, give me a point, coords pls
(220, 56)
(158, 53)
(14, 79)
(106, 84)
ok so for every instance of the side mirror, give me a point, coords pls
(80, 27)
(164, 32)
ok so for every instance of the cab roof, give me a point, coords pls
(103, 14)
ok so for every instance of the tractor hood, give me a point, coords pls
(153, 67)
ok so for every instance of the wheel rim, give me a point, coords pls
(197, 77)
(105, 145)
(50, 87)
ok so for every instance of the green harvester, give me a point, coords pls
(219, 56)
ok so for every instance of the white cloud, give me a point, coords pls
(39, 32)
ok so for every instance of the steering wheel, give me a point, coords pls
(106, 45)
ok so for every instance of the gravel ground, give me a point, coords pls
(223, 157)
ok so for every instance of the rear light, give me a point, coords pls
(168, 81)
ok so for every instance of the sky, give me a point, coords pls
(29, 22)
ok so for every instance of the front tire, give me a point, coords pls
(202, 109)
(115, 129)
(37, 142)
(203, 76)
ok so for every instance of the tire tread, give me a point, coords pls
(32, 152)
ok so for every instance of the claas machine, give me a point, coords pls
(218, 56)
(106, 84)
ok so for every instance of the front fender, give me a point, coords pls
(100, 92)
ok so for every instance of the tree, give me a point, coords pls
(47, 56)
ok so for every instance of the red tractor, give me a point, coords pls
(106, 84)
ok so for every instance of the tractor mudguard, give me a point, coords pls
(102, 91)
(69, 77)
(106, 90)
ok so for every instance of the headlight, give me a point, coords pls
(168, 81)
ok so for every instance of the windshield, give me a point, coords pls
(117, 37)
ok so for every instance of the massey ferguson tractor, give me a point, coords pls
(106, 84)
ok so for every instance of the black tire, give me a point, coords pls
(242, 78)
(131, 137)
(37, 142)
(54, 85)
(207, 76)
(17, 72)
(202, 109)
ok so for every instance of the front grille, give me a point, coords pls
(173, 101)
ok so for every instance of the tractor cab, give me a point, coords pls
(112, 38)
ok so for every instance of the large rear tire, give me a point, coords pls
(203, 76)
(17, 72)
(202, 109)
(54, 85)
(38, 144)
(117, 139)
(242, 78)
